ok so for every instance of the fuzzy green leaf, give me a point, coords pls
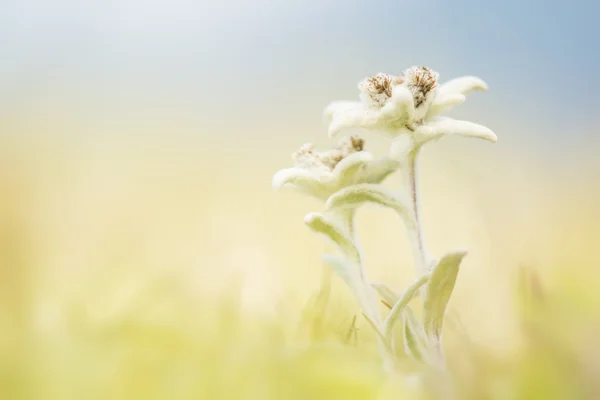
(378, 332)
(388, 295)
(319, 223)
(358, 195)
(395, 314)
(439, 290)
(413, 335)
(344, 271)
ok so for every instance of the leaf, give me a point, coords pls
(319, 223)
(439, 290)
(387, 294)
(405, 298)
(413, 335)
(356, 195)
(351, 331)
(351, 276)
(378, 332)
(344, 271)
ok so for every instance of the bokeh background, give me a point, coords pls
(137, 144)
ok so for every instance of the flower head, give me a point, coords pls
(410, 104)
(307, 157)
(321, 174)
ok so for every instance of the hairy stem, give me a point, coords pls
(423, 260)
(371, 309)
(410, 172)
(346, 217)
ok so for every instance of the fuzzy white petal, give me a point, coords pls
(292, 176)
(339, 106)
(301, 179)
(443, 103)
(422, 110)
(377, 170)
(463, 85)
(400, 107)
(359, 117)
(346, 172)
(439, 127)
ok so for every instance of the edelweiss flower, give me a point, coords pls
(320, 174)
(410, 104)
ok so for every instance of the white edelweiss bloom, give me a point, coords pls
(384, 103)
(320, 174)
(412, 107)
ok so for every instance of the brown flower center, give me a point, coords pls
(420, 81)
(308, 157)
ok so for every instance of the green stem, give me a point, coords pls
(423, 260)
(410, 176)
(372, 308)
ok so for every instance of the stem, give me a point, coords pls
(346, 217)
(423, 260)
(371, 309)
(410, 175)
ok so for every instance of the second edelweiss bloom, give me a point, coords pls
(408, 104)
(320, 174)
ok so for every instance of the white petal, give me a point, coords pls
(359, 117)
(346, 172)
(438, 127)
(300, 178)
(402, 145)
(401, 106)
(444, 103)
(339, 106)
(377, 170)
(463, 85)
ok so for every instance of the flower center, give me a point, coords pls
(309, 158)
(420, 81)
(377, 89)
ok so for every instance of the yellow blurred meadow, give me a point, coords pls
(162, 273)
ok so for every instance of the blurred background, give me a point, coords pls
(137, 220)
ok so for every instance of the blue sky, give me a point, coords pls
(541, 60)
